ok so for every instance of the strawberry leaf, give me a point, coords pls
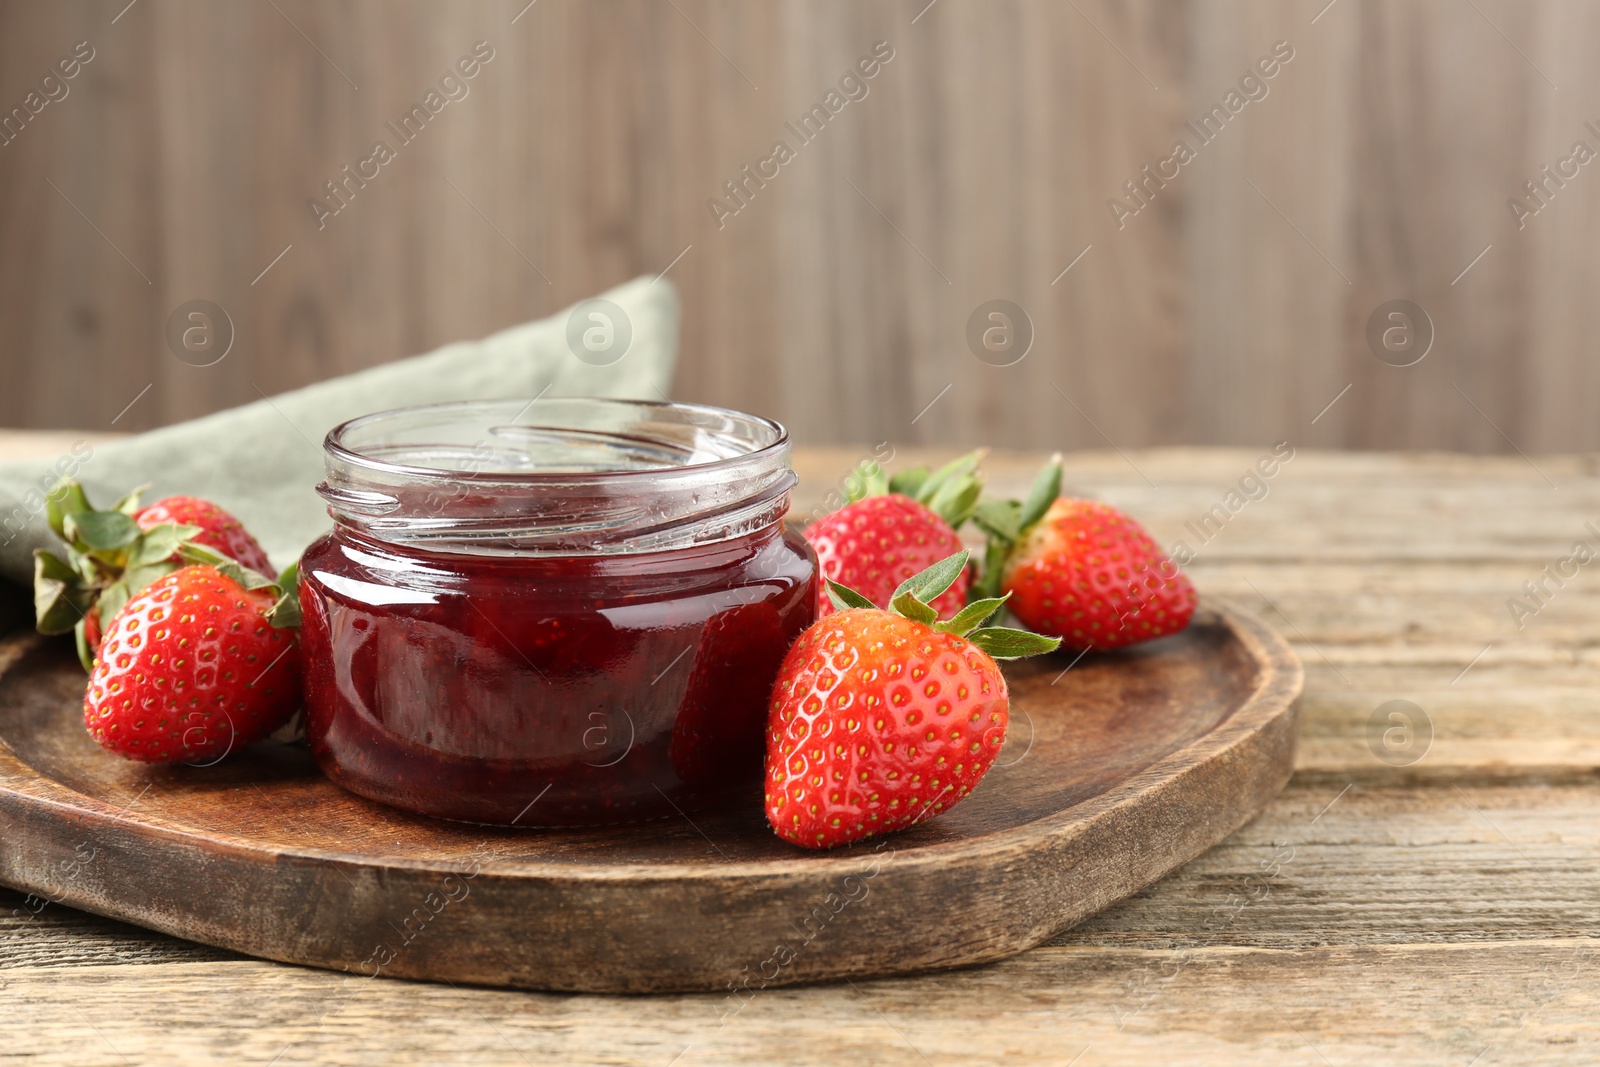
(159, 543)
(994, 563)
(112, 600)
(80, 638)
(909, 482)
(49, 566)
(1003, 643)
(868, 479)
(102, 531)
(911, 601)
(136, 578)
(130, 502)
(999, 518)
(927, 585)
(843, 597)
(194, 552)
(251, 580)
(956, 501)
(1046, 487)
(908, 604)
(973, 616)
(66, 499)
(227, 566)
(285, 614)
(955, 469)
(953, 490)
(59, 596)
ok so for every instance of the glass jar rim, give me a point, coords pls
(573, 475)
(334, 443)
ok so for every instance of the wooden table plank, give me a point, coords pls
(1354, 864)
(1521, 1002)
(55, 936)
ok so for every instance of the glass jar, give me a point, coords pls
(553, 612)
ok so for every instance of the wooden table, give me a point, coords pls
(1386, 908)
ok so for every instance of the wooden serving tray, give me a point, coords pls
(1116, 772)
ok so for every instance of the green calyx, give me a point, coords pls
(912, 600)
(285, 613)
(951, 492)
(1005, 522)
(109, 559)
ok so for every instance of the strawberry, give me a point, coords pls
(880, 719)
(113, 553)
(194, 666)
(1081, 570)
(893, 529)
(218, 528)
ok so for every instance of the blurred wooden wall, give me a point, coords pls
(1233, 309)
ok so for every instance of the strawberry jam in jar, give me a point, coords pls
(551, 612)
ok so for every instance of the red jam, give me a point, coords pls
(548, 692)
(545, 689)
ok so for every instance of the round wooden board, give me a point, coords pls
(1116, 772)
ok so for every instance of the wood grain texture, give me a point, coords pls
(1121, 768)
(1522, 1002)
(1429, 914)
(978, 166)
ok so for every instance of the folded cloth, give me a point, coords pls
(263, 461)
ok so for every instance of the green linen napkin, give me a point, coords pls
(263, 461)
